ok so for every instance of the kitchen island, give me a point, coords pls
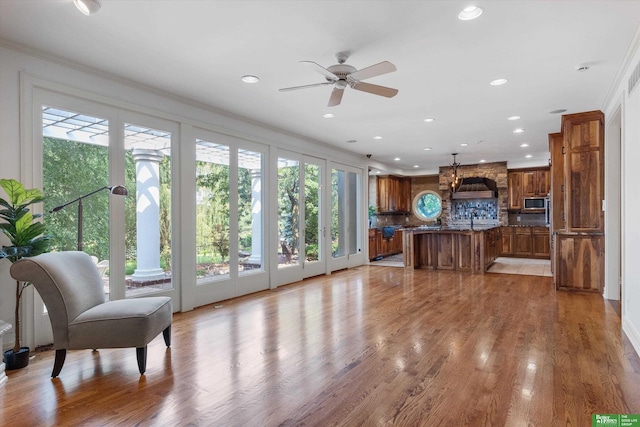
(451, 248)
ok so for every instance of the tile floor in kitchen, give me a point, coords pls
(504, 265)
(526, 266)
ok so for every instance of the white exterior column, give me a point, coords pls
(256, 218)
(147, 215)
(4, 328)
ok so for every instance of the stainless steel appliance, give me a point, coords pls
(535, 204)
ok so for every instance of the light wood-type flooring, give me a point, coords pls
(370, 346)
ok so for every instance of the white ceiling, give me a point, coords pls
(200, 50)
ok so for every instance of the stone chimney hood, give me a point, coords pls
(476, 188)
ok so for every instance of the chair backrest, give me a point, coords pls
(68, 282)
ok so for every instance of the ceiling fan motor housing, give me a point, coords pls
(342, 70)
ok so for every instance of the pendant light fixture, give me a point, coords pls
(87, 7)
(456, 181)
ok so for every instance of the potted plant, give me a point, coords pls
(27, 239)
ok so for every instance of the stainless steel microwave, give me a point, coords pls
(535, 203)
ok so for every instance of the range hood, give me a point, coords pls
(476, 188)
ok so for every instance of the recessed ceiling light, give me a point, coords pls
(558, 111)
(528, 156)
(497, 82)
(377, 137)
(351, 141)
(429, 120)
(416, 166)
(513, 118)
(396, 159)
(328, 115)
(464, 144)
(470, 12)
(250, 79)
(524, 144)
(427, 149)
(87, 7)
(377, 172)
(483, 161)
(518, 130)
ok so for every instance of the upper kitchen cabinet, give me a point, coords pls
(393, 194)
(515, 190)
(535, 183)
(583, 136)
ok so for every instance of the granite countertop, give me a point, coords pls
(451, 228)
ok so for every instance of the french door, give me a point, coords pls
(229, 217)
(346, 217)
(299, 245)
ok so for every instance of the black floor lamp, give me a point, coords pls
(119, 190)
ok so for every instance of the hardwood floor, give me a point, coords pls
(367, 346)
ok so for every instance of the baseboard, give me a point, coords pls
(632, 334)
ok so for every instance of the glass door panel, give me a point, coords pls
(288, 212)
(346, 213)
(212, 211)
(250, 212)
(75, 150)
(148, 214)
(314, 256)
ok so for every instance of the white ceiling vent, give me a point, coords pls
(635, 76)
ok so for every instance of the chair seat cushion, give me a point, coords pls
(120, 324)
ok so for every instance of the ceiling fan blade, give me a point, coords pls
(375, 89)
(286, 89)
(336, 97)
(319, 68)
(374, 70)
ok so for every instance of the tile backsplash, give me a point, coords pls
(484, 211)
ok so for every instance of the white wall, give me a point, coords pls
(629, 104)
(71, 79)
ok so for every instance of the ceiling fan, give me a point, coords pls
(342, 75)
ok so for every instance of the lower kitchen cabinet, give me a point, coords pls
(379, 247)
(529, 242)
(540, 242)
(522, 241)
(506, 240)
(579, 262)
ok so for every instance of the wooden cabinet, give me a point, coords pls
(393, 194)
(506, 241)
(577, 175)
(492, 246)
(556, 217)
(526, 242)
(384, 247)
(579, 262)
(515, 190)
(522, 241)
(527, 183)
(535, 183)
(540, 242)
(375, 240)
(583, 136)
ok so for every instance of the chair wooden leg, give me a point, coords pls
(59, 361)
(167, 336)
(141, 354)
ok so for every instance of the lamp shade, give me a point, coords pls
(87, 7)
(119, 190)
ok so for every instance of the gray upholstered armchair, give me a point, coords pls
(71, 288)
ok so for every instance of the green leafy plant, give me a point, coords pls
(25, 234)
(372, 210)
